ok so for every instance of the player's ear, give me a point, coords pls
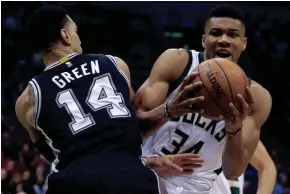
(203, 41)
(245, 40)
(65, 37)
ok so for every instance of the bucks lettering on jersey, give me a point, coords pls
(191, 133)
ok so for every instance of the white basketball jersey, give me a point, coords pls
(223, 186)
(191, 133)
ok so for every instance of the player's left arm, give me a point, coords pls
(266, 168)
(240, 147)
(174, 164)
(24, 110)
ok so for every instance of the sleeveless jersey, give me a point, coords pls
(191, 133)
(83, 106)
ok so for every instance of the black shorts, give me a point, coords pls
(104, 174)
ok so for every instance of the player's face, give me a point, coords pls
(224, 37)
(72, 37)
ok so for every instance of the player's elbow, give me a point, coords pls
(233, 174)
(267, 166)
(229, 176)
(141, 112)
(234, 171)
(272, 169)
(137, 102)
(142, 107)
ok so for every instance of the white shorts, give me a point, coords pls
(180, 190)
(222, 186)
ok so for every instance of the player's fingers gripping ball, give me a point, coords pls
(222, 81)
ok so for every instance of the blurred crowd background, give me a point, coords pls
(139, 32)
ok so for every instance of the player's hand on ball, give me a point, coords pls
(235, 122)
(181, 104)
(176, 164)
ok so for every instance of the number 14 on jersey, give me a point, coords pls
(102, 94)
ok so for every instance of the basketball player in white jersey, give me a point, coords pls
(225, 145)
(267, 172)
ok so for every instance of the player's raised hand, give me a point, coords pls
(176, 164)
(235, 122)
(181, 103)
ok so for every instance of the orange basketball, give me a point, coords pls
(222, 80)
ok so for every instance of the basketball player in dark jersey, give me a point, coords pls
(81, 107)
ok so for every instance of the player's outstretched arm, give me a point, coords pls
(241, 146)
(24, 109)
(266, 168)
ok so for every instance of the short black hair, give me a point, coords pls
(44, 26)
(225, 10)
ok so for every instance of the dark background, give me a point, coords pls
(138, 32)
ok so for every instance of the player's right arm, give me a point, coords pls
(267, 171)
(150, 98)
(24, 110)
(152, 94)
(25, 113)
(166, 69)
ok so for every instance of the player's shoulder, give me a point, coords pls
(105, 58)
(258, 89)
(120, 63)
(179, 55)
(176, 53)
(179, 52)
(262, 100)
(99, 56)
(171, 63)
(173, 58)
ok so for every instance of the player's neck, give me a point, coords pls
(55, 55)
(205, 56)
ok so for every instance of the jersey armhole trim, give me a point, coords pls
(175, 84)
(37, 101)
(117, 66)
(201, 57)
(37, 108)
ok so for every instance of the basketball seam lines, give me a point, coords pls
(217, 104)
(227, 80)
